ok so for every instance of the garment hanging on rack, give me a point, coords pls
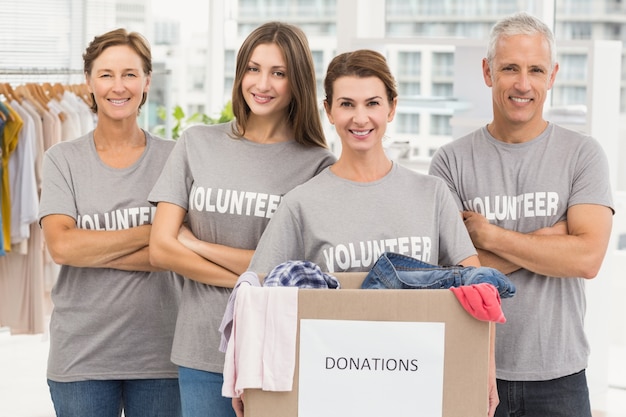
(6, 117)
(9, 143)
(50, 113)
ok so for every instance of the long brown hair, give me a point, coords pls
(302, 112)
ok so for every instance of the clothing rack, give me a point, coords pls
(39, 71)
(26, 273)
(42, 92)
(53, 71)
(19, 75)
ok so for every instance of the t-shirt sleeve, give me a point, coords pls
(441, 166)
(455, 243)
(281, 241)
(174, 183)
(57, 193)
(591, 184)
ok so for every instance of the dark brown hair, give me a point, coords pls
(134, 40)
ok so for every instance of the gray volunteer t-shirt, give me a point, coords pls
(230, 187)
(108, 323)
(343, 225)
(525, 187)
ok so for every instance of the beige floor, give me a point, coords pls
(24, 393)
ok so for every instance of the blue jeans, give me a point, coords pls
(96, 398)
(562, 397)
(396, 271)
(201, 394)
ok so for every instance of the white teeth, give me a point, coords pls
(520, 100)
(360, 132)
(262, 98)
(118, 101)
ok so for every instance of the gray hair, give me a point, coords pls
(521, 23)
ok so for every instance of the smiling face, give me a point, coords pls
(520, 77)
(118, 82)
(265, 85)
(360, 111)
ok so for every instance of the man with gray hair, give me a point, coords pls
(536, 200)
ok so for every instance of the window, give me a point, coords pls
(576, 7)
(442, 89)
(573, 67)
(570, 95)
(443, 64)
(410, 63)
(321, 94)
(440, 125)
(196, 79)
(403, 29)
(401, 8)
(578, 30)
(318, 62)
(228, 88)
(317, 8)
(409, 89)
(407, 123)
(195, 109)
(229, 61)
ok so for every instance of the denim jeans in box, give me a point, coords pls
(396, 271)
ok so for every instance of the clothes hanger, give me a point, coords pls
(36, 94)
(24, 93)
(40, 93)
(45, 99)
(59, 90)
(81, 91)
(47, 91)
(10, 94)
(53, 91)
(7, 91)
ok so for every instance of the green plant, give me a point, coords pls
(182, 121)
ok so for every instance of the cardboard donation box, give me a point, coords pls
(379, 353)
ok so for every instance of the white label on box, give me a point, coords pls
(370, 368)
